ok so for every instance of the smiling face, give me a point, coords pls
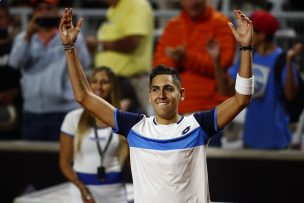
(101, 85)
(164, 95)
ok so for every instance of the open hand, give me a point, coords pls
(177, 53)
(86, 195)
(32, 26)
(69, 33)
(244, 31)
(296, 50)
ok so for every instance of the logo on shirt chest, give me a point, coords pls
(186, 130)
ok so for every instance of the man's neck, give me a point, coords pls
(46, 35)
(167, 121)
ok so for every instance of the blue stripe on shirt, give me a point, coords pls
(193, 139)
(92, 179)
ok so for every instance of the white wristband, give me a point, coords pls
(244, 86)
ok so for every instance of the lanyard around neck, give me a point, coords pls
(100, 151)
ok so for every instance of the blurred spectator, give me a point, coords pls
(10, 98)
(266, 121)
(183, 45)
(46, 88)
(124, 43)
(80, 133)
(298, 130)
(298, 135)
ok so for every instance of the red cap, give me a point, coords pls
(53, 2)
(264, 22)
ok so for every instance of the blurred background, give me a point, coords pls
(236, 174)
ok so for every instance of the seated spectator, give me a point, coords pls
(46, 88)
(88, 145)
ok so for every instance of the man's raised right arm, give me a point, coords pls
(82, 91)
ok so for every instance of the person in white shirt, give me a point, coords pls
(167, 151)
(95, 151)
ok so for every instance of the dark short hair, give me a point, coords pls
(165, 70)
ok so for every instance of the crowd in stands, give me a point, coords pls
(36, 94)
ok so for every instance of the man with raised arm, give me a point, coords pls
(46, 90)
(168, 151)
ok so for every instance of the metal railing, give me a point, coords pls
(290, 21)
(90, 16)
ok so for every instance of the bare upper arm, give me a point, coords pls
(66, 148)
(230, 108)
(123, 149)
(100, 108)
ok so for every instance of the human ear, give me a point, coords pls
(182, 94)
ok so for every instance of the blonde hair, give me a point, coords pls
(87, 120)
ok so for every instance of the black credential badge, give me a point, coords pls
(101, 173)
(101, 170)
